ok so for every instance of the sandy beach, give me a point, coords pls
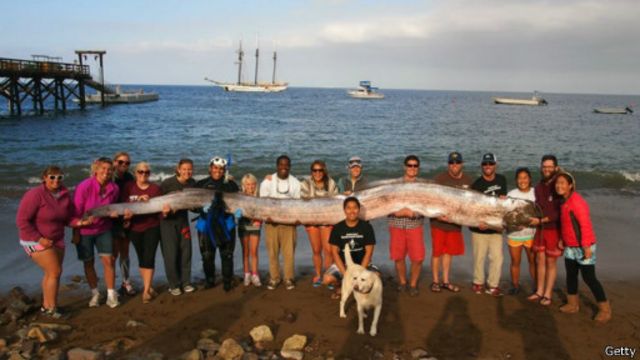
(447, 325)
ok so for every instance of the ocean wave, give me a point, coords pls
(631, 176)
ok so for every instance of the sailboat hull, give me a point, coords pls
(253, 87)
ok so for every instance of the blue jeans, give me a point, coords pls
(102, 242)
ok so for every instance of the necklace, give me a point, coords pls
(278, 186)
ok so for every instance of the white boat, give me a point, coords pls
(618, 111)
(365, 91)
(535, 100)
(119, 97)
(256, 86)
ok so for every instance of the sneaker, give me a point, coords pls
(247, 279)
(95, 300)
(255, 280)
(289, 284)
(175, 291)
(112, 301)
(188, 288)
(273, 284)
(477, 288)
(127, 289)
(52, 313)
(494, 292)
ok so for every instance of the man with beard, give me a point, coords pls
(487, 243)
(546, 241)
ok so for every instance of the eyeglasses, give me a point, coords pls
(455, 162)
(56, 177)
(317, 170)
(122, 162)
(488, 164)
(415, 166)
(144, 172)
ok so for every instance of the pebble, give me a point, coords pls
(419, 353)
(83, 354)
(208, 345)
(208, 333)
(230, 350)
(194, 354)
(292, 354)
(134, 324)
(261, 333)
(295, 342)
(52, 326)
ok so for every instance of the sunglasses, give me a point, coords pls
(415, 166)
(488, 164)
(455, 162)
(56, 177)
(122, 162)
(317, 170)
(144, 172)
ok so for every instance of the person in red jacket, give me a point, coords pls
(43, 213)
(579, 242)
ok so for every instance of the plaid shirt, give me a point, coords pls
(406, 222)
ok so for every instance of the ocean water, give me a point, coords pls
(200, 122)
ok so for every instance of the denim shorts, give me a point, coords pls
(102, 242)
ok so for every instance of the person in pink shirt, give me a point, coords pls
(98, 190)
(43, 213)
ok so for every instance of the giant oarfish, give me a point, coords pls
(460, 206)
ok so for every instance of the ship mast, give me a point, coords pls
(273, 77)
(239, 62)
(255, 81)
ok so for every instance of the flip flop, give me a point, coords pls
(435, 287)
(545, 301)
(450, 287)
(535, 297)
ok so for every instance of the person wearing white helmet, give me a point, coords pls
(218, 180)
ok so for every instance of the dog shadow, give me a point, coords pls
(455, 336)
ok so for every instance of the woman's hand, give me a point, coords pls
(113, 214)
(587, 252)
(166, 209)
(46, 243)
(143, 198)
(560, 245)
(128, 214)
(535, 221)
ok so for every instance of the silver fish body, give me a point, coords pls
(460, 206)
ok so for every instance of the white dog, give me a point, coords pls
(366, 287)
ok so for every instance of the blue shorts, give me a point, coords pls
(576, 253)
(102, 242)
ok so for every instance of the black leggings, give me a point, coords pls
(146, 244)
(588, 275)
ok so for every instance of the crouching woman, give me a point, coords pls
(579, 241)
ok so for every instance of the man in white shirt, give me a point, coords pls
(280, 237)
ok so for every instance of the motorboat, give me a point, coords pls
(618, 111)
(365, 91)
(536, 100)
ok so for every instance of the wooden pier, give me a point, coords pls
(24, 81)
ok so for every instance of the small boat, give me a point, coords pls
(121, 97)
(535, 100)
(618, 111)
(365, 91)
(256, 86)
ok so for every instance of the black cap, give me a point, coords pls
(489, 158)
(455, 157)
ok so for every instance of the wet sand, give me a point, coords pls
(449, 326)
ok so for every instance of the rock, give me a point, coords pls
(15, 355)
(419, 353)
(261, 333)
(134, 324)
(28, 348)
(117, 345)
(291, 354)
(54, 354)
(76, 278)
(208, 345)
(209, 333)
(83, 354)
(378, 355)
(155, 356)
(22, 333)
(41, 335)
(295, 342)
(290, 317)
(250, 356)
(3, 345)
(230, 350)
(52, 326)
(194, 354)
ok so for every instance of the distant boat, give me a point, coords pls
(121, 97)
(365, 91)
(240, 86)
(619, 111)
(535, 100)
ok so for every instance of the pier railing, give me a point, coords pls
(42, 69)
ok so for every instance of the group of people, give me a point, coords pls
(564, 227)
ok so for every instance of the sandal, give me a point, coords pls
(535, 297)
(435, 287)
(331, 287)
(450, 287)
(336, 295)
(545, 301)
(317, 281)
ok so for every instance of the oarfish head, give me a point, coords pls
(521, 214)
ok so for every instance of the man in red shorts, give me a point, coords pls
(406, 233)
(546, 241)
(446, 238)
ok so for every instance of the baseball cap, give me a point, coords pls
(489, 158)
(355, 161)
(455, 157)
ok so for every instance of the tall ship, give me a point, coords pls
(255, 86)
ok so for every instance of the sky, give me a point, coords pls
(571, 46)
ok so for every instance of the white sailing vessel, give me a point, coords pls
(536, 100)
(256, 86)
(365, 91)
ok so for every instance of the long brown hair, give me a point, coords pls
(181, 162)
(325, 172)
